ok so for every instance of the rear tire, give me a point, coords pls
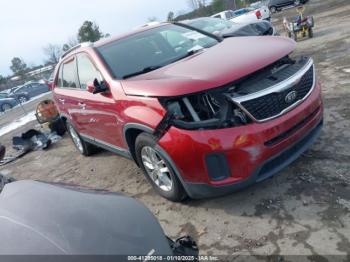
(22, 99)
(273, 9)
(5, 107)
(157, 169)
(297, 2)
(83, 147)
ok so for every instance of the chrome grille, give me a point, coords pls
(272, 102)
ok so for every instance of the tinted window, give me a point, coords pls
(156, 47)
(86, 71)
(35, 85)
(22, 89)
(68, 74)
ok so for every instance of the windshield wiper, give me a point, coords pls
(152, 68)
(143, 71)
(189, 53)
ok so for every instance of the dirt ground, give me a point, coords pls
(304, 210)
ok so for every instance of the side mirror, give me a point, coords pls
(97, 87)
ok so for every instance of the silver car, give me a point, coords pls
(6, 103)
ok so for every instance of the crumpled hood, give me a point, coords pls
(221, 64)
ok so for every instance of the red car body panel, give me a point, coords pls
(196, 74)
(243, 146)
(105, 116)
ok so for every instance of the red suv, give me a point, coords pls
(202, 116)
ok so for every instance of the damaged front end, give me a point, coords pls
(257, 97)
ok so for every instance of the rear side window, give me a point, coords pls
(68, 75)
(87, 72)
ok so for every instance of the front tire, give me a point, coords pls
(5, 107)
(157, 169)
(83, 147)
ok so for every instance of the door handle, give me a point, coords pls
(82, 105)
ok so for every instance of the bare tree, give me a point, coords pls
(152, 19)
(72, 41)
(170, 16)
(52, 53)
(197, 4)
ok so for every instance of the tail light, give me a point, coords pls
(258, 14)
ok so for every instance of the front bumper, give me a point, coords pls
(247, 154)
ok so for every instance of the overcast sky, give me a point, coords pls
(27, 26)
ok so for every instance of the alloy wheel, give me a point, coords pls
(22, 99)
(156, 168)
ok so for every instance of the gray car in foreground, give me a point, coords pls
(51, 219)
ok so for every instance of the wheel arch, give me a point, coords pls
(131, 131)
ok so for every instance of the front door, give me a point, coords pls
(101, 117)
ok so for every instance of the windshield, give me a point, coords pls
(152, 49)
(211, 25)
(3, 95)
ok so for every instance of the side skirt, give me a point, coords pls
(114, 149)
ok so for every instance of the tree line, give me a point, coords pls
(88, 32)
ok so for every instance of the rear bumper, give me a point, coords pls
(216, 162)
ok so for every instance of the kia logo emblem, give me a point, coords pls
(290, 97)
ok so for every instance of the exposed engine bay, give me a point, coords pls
(216, 108)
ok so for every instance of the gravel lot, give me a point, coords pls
(304, 210)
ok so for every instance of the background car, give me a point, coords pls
(277, 5)
(263, 8)
(243, 15)
(225, 28)
(7, 103)
(19, 96)
(32, 89)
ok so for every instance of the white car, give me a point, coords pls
(263, 8)
(243, 15)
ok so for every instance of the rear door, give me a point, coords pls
(100, 115)
(68, 94)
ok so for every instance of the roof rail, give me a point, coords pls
(85, 44)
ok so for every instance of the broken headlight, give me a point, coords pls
(208, 110)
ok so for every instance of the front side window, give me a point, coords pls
(87, 72)
(68, 74)
(152, 49)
